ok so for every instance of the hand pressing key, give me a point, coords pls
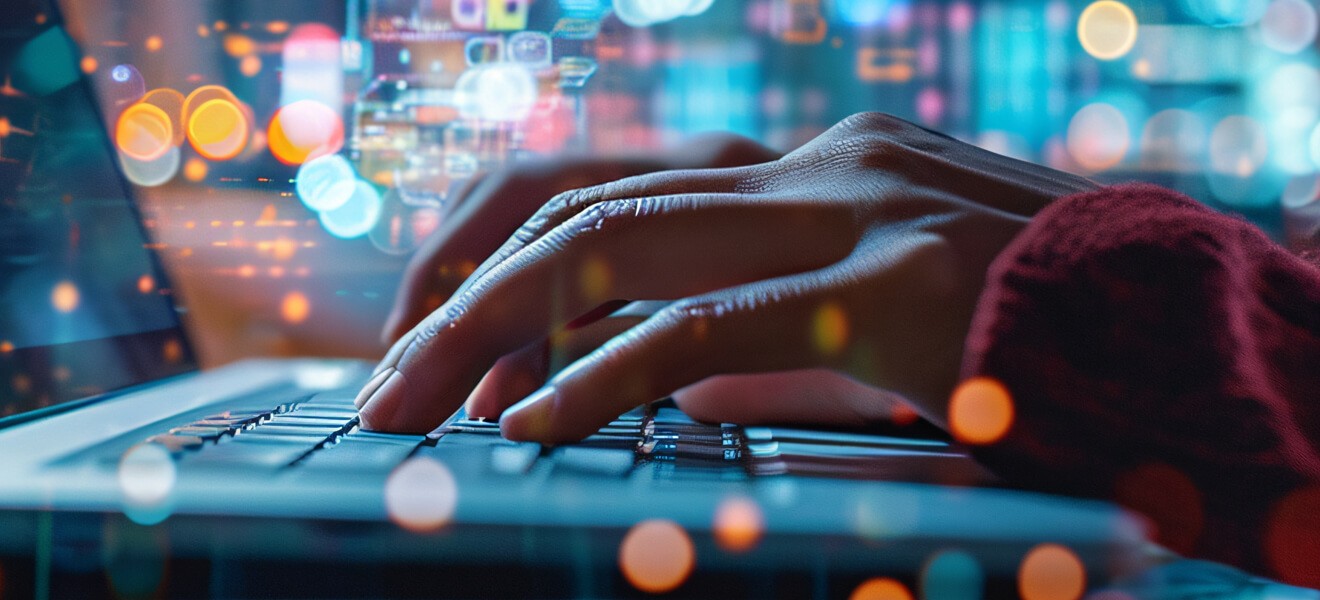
(859, 255)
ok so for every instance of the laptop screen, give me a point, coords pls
(84, 307)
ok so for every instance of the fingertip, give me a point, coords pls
(530, 420)
(380, 406)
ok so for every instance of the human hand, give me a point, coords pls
(490, 207)
(862, 252)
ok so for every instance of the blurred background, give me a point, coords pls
(290, 154)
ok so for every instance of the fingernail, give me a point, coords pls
(529, 419)
(372, 385)
(381, 409)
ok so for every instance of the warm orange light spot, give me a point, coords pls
(268, 214)
(154, 43)
(980, 411)
(903, 414)
(304, 130)
(22, 384)
(186, 252)
(146, 284)
(1051, 572)
(218, 130)
(283, 249)
(5, 127)
(203, 31)
(170, 101)
(64, 297)
(829, 329)
(88, 64)
(246, 271)
(61, 373)
(739, 524)
(250, 65)
(277, 27)
(41, 19)
(144, 132)
(172, 351)
(1169, 499)
(276, 272)
(594, 280)
(295, 307)
(220, 26)
(881, 588)
(6, 347)
(238, 45)
(1292, 529)
(195, 170)
(657, 556)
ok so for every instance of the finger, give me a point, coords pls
(805, 396)
(488, 209)
(790, 323)
(657, 248)
(569, 204)
(516, 375)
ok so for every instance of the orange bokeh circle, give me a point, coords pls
(144, 132)
(304, 130)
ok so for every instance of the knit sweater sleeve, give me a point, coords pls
(1167, 357)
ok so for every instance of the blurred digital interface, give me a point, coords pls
(290, 154)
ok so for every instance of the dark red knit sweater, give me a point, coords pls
(1166, 357)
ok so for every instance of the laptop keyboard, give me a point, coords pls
(320, 433)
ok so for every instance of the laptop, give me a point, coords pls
(257, 480)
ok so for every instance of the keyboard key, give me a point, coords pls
(595, 461)
(177, 444)
(291, 431)
(296, 420)
(513, 458)
(239, 453)
(209, 433)
(338, 398)
(352, 454)
(324, 412)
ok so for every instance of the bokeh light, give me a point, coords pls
(144, 132)
(829, 329)
(1107, 29)
(6, 347)
(88, 65)
(147, 476)
(657, 556)
(980, 411)
(1237, 146)
(238, 45)
(1173, 140)
(125, 86)
(421, 495)
(154, 43)
(1301, 191)
(1051, 572)
(317, 181)
(357, 215)
(1226, 12)
(1288, 26)
(195, 170)
(643, 13)
(64, 296)
(1098, 137)
(738, 525)
(146, 284)
(1291, 531)
(1169, 499)
(304, 130)
(150, 173)
(218, 130)
(295, 307)
(171, 103)
(401, 225)
(496, 92)
(952, 575)
(881, 588)
(249, 66)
